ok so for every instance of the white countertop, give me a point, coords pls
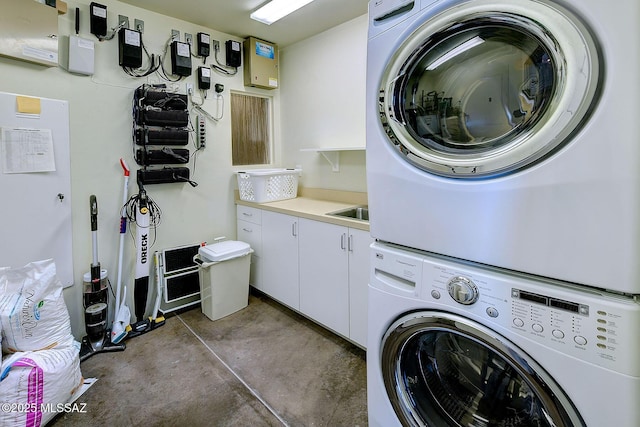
(315, 209)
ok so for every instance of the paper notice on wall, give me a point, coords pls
(26, 150)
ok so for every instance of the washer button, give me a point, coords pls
(492, 312)
(518, 322)
(580, 340)
(435, 294)
(537, 327)
(558, 333)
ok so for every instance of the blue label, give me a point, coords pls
(265, 50)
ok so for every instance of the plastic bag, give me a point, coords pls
(33, 314)
(37, 383)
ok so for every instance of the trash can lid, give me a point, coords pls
(224, 250)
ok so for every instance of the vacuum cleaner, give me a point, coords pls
(96, 299)
(141, 214)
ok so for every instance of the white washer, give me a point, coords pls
(452, 344)
(508, 133)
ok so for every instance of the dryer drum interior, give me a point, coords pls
(444, 370)
(477, 92)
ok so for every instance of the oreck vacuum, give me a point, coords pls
(96, 300)
(145, 214)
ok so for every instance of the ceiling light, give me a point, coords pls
(276, 9)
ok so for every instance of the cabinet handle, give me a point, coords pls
(247, 214)
(350, 243)
(294, 229)
(248, 230)
(342, 239)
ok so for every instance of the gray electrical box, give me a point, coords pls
(260, 63)
(76, 54)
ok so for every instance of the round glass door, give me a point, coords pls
(477, 92)
(444, 370)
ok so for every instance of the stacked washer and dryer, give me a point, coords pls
(503, 166)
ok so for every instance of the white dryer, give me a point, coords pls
(508, 133)
(451, 344)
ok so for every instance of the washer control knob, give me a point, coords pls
(463, 290)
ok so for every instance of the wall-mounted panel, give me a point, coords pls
(29, 32)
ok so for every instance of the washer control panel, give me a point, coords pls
(549, 317)
(589, 324)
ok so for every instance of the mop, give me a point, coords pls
(121, 321)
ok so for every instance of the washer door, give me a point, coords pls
(441, 370)
(483, 89)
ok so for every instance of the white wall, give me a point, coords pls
(320, 103)
(100, 133)
(322, 89)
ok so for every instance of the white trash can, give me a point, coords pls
(224, 277)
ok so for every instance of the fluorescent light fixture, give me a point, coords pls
(276, 9)
(475, 41)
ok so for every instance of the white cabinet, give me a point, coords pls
(334, 277)
(279, 257)
(324, 274)
(249, 230)
(314, 267)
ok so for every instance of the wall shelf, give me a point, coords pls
(332, 155)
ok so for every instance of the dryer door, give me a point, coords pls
(480, 89)
(441, 370)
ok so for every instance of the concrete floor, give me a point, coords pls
(262, 366)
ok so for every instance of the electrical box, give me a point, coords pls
(130, 48)
(77, 55)
(98, 19)
(204, 78)
(260, 63)
(233, 51)
(203, 43)
(180, 58)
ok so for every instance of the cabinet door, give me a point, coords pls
(251, 233)
(279, 258)
(324, 273)
(249, 214)
(359, 242)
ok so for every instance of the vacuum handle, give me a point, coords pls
(93, 208)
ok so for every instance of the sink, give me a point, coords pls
(356, 212)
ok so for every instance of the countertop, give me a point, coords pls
(311, 208)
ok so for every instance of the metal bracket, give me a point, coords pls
(123, 19)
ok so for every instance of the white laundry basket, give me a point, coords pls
(268, 185)
(224, 277)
